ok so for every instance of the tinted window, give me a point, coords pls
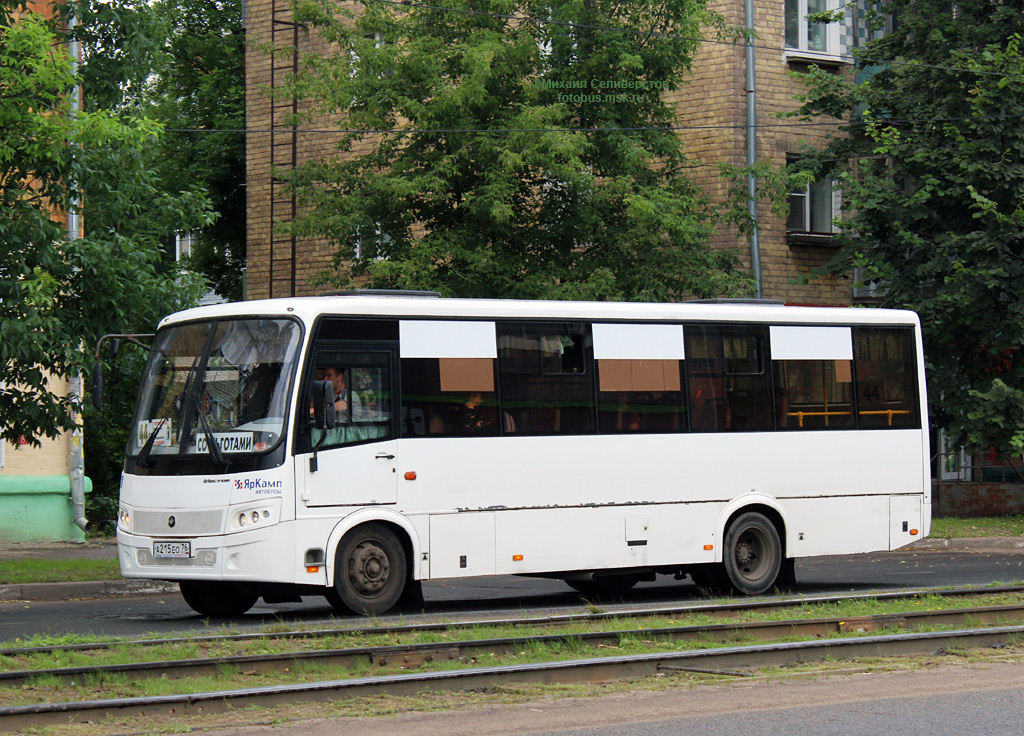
(545, 384)
(640, 396)
(814, 394)
(729, 384)
(449, 397)
(886, 378)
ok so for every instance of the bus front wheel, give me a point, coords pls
(752, 553)
(217, 600)
(370, 570)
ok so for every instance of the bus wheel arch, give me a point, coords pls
(753, 548)
(372, 567)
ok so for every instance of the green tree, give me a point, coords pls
(931, 167)
(524, 150)
(59, 294)
(182, 64)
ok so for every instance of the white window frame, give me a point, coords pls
(802, 50)
(864, 289)
(183, 243)
(813, 198)
(378, 237)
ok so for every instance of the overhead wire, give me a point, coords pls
(436, 131)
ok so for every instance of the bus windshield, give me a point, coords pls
(222, 383)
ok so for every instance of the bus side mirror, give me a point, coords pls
(323, 405)
(97, 385)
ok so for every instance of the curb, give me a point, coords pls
(979, 544)
(85, 589)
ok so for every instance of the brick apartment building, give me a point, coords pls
(713, 106)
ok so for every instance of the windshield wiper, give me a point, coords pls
(215, 452)
(143, 457)
(193, 382)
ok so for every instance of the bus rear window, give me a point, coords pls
(886, 379)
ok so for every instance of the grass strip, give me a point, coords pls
(34, 570)
(988, 526)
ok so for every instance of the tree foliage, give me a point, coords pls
(182, 64)
(517, 148)
(931, 168)
(58, 294)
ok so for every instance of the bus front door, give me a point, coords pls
(353, 464)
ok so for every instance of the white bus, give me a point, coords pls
(351, 446)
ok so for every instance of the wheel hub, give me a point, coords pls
(744, 554)
(369, 568)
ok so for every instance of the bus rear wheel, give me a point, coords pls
(370, 570)
(217, 599)
(752, 553)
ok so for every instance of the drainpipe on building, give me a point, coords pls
(751, 94)
(76, 459)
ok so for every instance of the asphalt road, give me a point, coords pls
(137, 615)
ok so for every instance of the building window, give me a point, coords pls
(812, 209)
(806, 37)
(183, 243)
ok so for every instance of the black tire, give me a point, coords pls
(752, 553)
(605, 585)
(370, 570)
(217, 599)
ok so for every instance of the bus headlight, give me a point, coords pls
(249, 517)
(124, 519)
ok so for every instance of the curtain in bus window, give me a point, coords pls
(544, 382)
(729, 386)
(886, 378)
(813, 371)
(639, 368)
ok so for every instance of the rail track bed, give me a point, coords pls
(722, 646)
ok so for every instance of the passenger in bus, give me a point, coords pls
(344, 399)
(474, 418)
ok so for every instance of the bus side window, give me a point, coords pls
(729, 384)
(546, 386)
(886, 378)
(361, 384)
(813, 394)
(449, 397)
(640, 396)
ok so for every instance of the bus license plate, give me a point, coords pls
(172, 549)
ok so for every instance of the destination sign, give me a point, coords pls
(226, 441)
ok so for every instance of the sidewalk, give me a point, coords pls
(103, 549)
(107, 549)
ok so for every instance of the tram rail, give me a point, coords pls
(726, 660)
(414, 655)
(722, 659)
(722, 609)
